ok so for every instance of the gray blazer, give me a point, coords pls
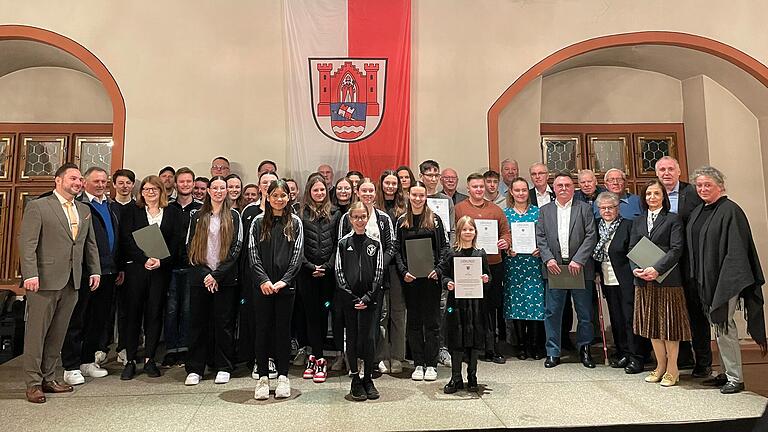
(582, 236)
(46, 246)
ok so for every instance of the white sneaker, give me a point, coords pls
(255, 372)
(430, 374)
(272, 369)
(122, 357)
(93, 370)
(301, 357)
(221, 377)
(395, 366)
(100, 358)
(418, 374)
(444, 357)
(384, 366)
(262, 389)
(73, 377)
(283, 389)
(192, 379)
(338, 363)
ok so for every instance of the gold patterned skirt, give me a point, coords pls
(661, 313)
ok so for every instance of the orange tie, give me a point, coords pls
(72, 218)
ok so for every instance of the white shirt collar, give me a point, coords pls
(61, 199)
(93, 198)
(566, 205)
(546, 191)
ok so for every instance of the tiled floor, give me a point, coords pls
(518, 394)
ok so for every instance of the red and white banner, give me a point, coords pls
(349, 78)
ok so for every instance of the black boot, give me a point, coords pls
(586, 357)
(357, 391)
(370, 389)
(472, 382)
(454, 385)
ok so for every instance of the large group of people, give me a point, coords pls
(257, 273)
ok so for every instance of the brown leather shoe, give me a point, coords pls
(55, 387)
(35, 394)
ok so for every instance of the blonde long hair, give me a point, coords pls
(464, 220)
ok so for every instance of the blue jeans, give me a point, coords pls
(553, 316)
(177, 312)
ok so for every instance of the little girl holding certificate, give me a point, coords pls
(464, 317)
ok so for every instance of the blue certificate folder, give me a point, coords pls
(647, 254)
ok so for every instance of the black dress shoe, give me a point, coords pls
(621, 362)
(701, 372)
(488, 356)
(454, 385)
(370, 389)
(732, 387)
(129, 372)
(586, 357)
(472, 383)
(150, 368)
(537, 354)
(717, 381)
(551, 362)
(498, 358)
(522, 354)
(634, 367)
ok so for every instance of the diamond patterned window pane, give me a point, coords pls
(651, 150)
(560, 154)
(609, 154)
(43, 157)
(95, 152)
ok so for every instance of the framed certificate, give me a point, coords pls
(488, 235)
(523, 237)
(468, 277)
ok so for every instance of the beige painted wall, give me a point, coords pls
(695, 119)
(53, 95)
(519, 128)
(603, 94)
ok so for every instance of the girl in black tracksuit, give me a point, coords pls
(359, 275)
(316, 283)
(465, 318)
(213, 283)
(422, 294)
(275, 253)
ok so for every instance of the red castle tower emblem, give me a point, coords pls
(351, 93)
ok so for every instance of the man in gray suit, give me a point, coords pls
(56, 239)
(565, 235)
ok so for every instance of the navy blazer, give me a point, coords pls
(582, 237)
(687, 200)
(667, 234)
(532, 196)
(110, 263)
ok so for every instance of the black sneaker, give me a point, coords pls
(356, 390)
(370, 389)
(129, 371)
(150, 368)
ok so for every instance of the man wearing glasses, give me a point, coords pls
(449, 179)
(220, 167)
(540, 193)
(629, 203)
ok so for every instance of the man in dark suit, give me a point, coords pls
(565, 235)
(88, 330)
(55, 241)
(540, 193)
(683, 199)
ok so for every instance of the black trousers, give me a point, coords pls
(144, 298)
(88, 323)
(315, 296)
(361, 328)
(422, 302)
(468, 355)
(621, 306)
(211, 313)
(700, 330)
(495, 323)
(272, 329)
(530, 335)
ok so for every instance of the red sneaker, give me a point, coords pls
(320, 374)
(309, 372)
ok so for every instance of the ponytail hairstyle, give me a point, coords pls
(286, 218)
(427, 216)
(464, 220)
(198, 246)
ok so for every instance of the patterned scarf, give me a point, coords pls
(606, 234)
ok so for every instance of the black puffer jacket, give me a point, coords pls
(320, 240)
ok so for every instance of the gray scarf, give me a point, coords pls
(606, 234)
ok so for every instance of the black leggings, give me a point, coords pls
(315, 294)
(361, 337)
(422, 302)
(211, 314)
(272, 329)
(144, 297)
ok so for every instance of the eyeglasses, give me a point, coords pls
(359, 218)
(537, 174)
(150, 190)
(432, 175)
(219, 167)
(450, 178)
(615, 181)
(609, 208)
